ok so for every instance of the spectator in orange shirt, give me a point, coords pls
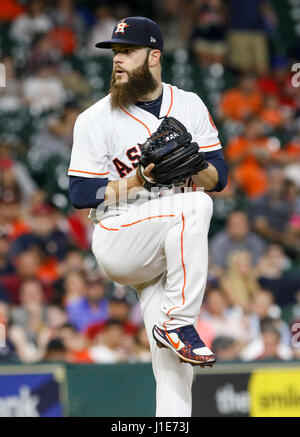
(10, 9)
(249, 155)
(6, 265)
(292, 149)
(12, 221)
(27, 264)
(272, 115)
(242, 101)
(75, 344)
(45, 234)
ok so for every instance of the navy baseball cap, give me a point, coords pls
(139, 31)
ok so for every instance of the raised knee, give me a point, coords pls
(199, 202)
(205, 200)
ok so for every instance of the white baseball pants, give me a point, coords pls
(161, 249)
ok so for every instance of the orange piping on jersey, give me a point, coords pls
(134, 223)
(108, 229)
(148, 218)
(184, 278)
(211, 121)
(171, 104)
(182, 260)
(88, 172)
(130, 115)
(213, 145)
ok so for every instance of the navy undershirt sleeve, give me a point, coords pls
(216, 158)
(87, 192)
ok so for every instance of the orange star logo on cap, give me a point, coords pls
(121, 26)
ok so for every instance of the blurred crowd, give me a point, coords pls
(55, 302)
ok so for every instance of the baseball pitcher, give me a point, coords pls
(143, 159)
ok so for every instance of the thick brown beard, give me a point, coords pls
(140, 83)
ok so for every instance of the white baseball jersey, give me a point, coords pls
(106, 141)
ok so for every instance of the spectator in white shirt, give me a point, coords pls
(111, 346)
(101, 31)
(44, 91)
(33, 21)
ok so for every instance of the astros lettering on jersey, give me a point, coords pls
(111, 138)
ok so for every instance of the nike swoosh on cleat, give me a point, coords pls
(175, 345)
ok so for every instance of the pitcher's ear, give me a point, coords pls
(154, 57)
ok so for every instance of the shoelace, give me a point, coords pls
(193, 336)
